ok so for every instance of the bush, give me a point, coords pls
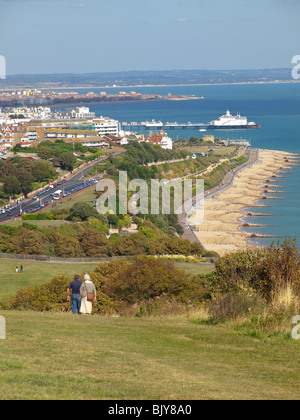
(264, 271)
(49, 296)
(38, 216)
(145, 278)
(233, 305)
(33, 216)
(274, 321)
(120, 284)
(159, 306)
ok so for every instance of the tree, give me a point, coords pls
(8, 169)
(113, 220)
(17, 148)
(45, 152)
(67, 160)
(82, 210)
(193, 139)
(64, 245)
(25, 178)
(93, 243)
(11, 186)
(27, 242)
(41, 171)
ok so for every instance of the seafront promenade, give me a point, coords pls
(225, 205)
(228, 179)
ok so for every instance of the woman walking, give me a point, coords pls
(88, 295)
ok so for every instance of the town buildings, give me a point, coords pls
(30, 126)
(106, 126)
(160, 139)
(36, 97)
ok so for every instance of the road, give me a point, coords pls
(44, 198)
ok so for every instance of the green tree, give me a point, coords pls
(67, 160)
(17, 148)
(42, 171)
(45, 152)
(26, 179)
(113, 220)
(11, 186)
(27, 242)
(83, 211)
(8, 169)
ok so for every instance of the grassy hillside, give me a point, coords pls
(40, 223)
(194, 268)
(86, 196)
(35, 273)
(58, 356)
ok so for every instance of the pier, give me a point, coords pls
(157, 125)
(160, 125)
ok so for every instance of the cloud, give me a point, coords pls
(182, 20)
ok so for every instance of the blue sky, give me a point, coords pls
(81, 36)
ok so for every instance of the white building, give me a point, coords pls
(167, 143)
(95, 142)
(161, 139)
(40, 112)
(84, 112)
(106, 126)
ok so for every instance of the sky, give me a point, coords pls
(87, 36)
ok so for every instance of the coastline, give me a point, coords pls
(271, 82)
(223, 210)
(93, 102)
(55, 87)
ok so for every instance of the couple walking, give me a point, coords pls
(83, 295)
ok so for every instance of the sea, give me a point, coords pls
(275, 106)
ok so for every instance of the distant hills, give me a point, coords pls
(138, 78)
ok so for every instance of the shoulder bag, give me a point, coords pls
(90, 295)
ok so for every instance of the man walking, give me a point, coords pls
(75, 301)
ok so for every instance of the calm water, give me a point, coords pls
(275, 106)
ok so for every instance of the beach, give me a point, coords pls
(223, 211)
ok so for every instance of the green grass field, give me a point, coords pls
(35, 273)
(86, 196)
(61, 356)
(39, 223)
(219, 150)
(195, 268)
